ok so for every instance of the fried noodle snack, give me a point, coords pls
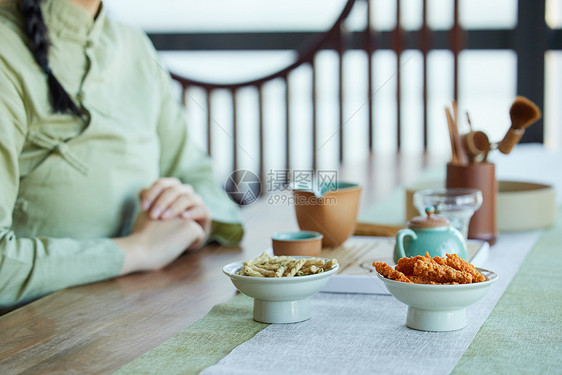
(425, 270)
(284, 266)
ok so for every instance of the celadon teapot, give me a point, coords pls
(433, 234)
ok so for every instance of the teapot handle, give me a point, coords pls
(402, 233)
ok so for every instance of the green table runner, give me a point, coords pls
(203, 343)
(529, 341)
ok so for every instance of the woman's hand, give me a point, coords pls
(168, 198)
(174, 219)
(154, 244)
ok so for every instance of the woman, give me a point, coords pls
(87, 123)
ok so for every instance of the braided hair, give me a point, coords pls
(36, 30)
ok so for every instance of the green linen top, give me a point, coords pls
(68, 185)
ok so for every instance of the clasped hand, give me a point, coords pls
(168, 198)
(173, 219)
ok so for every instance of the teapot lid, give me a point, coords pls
(429, 221)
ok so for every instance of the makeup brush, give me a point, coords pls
(523, 113)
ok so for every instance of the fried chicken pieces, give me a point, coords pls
(425, 270)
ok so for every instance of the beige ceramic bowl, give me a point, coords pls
(525, 206)
(302, 243)
(334, 215)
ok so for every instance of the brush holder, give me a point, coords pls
(480, 176)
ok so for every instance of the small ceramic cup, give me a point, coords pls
(303, 243)
(334, 214)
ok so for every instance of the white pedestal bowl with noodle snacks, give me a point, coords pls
(282, 299)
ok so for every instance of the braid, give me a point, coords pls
(36, 30)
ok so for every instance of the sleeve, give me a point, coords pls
(182, 158)
(33, 267)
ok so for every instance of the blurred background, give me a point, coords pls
(481, 52)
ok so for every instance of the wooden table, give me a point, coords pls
(100, 327)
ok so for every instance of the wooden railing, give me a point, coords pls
(530, 39)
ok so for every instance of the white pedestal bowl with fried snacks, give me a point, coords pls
(438, 307)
